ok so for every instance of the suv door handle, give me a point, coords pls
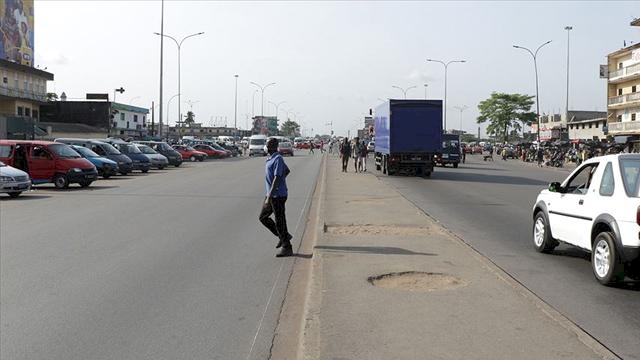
(580, 202)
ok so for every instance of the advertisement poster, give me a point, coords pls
(16, 31)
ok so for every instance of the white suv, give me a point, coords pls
(597, 208)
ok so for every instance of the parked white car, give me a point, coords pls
(597, 208)
(13, 181)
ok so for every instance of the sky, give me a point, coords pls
(330, 61)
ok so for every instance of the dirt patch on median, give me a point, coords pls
(416, 281)
(390, 230)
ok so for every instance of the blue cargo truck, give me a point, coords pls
(408, 134)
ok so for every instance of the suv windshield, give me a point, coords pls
(129, 149)
(146, 150)
(110, 150)
(257, 141)
(630, 169)
(85, 152)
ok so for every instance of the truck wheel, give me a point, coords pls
(455, 165)
(60, 181)
(605, 260)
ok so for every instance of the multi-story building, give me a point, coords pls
(623, 92)
(23, 89)
(575, 125)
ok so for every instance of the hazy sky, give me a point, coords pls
(331, 61)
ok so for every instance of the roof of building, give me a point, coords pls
(624, 50)
(125, 107)
(28, 69)
(70, 127)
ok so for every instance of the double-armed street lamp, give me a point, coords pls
(179, 45)
(404, 90)
(446, 66)
(262, 88)
(534, 55)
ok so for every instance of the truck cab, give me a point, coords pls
(450, 151)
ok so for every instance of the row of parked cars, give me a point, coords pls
(81, 161)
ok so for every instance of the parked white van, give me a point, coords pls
(257, 144)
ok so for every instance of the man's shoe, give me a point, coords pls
(286, 251)
(279, 245)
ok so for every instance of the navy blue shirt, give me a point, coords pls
(275, 166)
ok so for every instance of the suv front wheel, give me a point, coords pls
(542, 239)
(605, 260)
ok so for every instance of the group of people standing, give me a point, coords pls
(357, 150)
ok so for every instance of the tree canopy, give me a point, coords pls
(289, 128)
(506, 111)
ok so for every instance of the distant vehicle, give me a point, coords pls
(106, 168)
(48, 162)
(140, 161)
(165, 149)
(408, 134)
(450, 151)
(285, 148)
(231, 149)
(257, 145)
(596, 208)
(189, 153)
(371, 146)
(13, 181)
(211, 152)
(157, 160)
(125, 164)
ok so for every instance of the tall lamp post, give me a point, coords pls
(235, 112)
(169, 103)
(179, 45)
(262, 90)
(461, 109)
(277, 106)
(534, 55)
(446, 65)
(568, 28)
(404, 90)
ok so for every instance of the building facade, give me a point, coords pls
(623, 92)
(23, 89)
(575, 125)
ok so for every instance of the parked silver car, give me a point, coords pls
(158, 160)
(13, 181)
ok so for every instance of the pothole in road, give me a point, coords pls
(416, 281)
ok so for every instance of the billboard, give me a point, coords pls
(16, 31)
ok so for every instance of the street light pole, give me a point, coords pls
(262, 88)
(179, 45)
(535, 67)
(235, 112)
(404, 90)
(568, 28)
(461, 108)
(277, 106)
(446, 66)
(169, 103)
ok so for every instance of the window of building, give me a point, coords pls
(619, 118)
(127, 124)
(135, 118)
(27, 112)
(619, 65)
(583, 126)
(619, 91)
(597, 125)
(633, 89)
(633, 117)
(5, 80)
(590, 125)
(20, 110)
(122, 117)
(34, 114)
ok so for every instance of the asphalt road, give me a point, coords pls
(488, 204)
(167, 265)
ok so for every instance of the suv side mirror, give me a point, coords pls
(554, 187)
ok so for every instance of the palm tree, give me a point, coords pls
(190, 120)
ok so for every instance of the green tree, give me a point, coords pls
(52, 96)
(289, 128)
(504, 111)
(190, 120)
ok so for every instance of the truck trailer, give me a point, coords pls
(408, 134)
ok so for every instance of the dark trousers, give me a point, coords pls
(278, 227)
(345, 162)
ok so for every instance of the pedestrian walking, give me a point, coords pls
(345, 152)
(276, 172)
(310, 147)
(362, 159)
(539, 156)
(464, 154)
(355, 153)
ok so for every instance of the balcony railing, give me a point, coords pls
(626, 71)
(22, 94)
(621, 99)
(624, 126)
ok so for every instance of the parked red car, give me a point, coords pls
(210, 151)
(189, 153)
